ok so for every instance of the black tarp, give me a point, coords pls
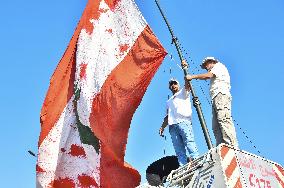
(157, 172)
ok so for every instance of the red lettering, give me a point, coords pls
(251, 180)
(263, 181)
(268, 184)
(258, 182)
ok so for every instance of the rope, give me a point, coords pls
(246, 136)
(165, 145)
(165, 137)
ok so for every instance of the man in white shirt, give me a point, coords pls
(179, 120)
(222, 123)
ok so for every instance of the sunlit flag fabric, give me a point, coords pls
(93, 94)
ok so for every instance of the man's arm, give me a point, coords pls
(204, 76)
(186, 83)
(164, 125)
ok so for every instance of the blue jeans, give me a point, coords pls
(183, 138)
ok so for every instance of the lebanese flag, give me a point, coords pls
(93, 94)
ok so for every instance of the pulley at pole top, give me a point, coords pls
(196, 102)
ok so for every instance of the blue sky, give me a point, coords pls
(247, 36)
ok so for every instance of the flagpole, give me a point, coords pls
(196, 102)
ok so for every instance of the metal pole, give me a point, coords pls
(196, 102)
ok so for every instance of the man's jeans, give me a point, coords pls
(183, 137)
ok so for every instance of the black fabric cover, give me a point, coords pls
(157, 172)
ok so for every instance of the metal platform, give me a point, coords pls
(227, 167)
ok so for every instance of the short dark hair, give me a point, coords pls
(208, 61)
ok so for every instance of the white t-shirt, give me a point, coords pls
(179, 107)
(220, 83)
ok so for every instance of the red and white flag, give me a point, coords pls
(93, 94)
